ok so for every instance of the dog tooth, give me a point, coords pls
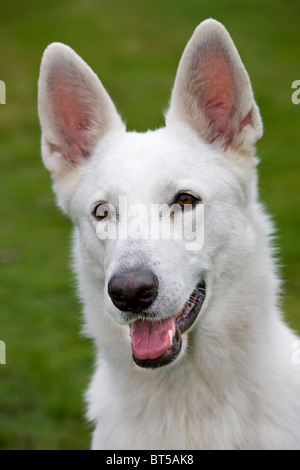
(170, 337)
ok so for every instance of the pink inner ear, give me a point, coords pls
(72, 119)
(217, 95)
(217, 104)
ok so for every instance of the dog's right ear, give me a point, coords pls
(212, 91)
(74, 108)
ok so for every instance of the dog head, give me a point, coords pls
(193, 180)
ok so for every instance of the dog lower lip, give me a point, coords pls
(183, 322)
(186, 317)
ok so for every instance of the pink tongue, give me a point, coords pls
(150, 340)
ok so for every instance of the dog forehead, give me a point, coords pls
(144, 161)
(166, 149)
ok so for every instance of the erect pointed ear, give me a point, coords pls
(74, 108)
(212, 91)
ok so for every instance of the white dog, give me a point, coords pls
(192, 349)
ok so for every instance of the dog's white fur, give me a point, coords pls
(234, 385)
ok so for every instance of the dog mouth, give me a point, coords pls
(158, 343)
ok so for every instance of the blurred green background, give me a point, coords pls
(134, 46)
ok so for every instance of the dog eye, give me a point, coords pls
(186, 199)
(101, 211)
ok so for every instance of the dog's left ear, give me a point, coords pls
(74, 108)
(212, 91)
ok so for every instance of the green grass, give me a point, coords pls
(134, 46)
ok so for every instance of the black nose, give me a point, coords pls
(133, 290)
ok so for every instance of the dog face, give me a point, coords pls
(195, 178)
